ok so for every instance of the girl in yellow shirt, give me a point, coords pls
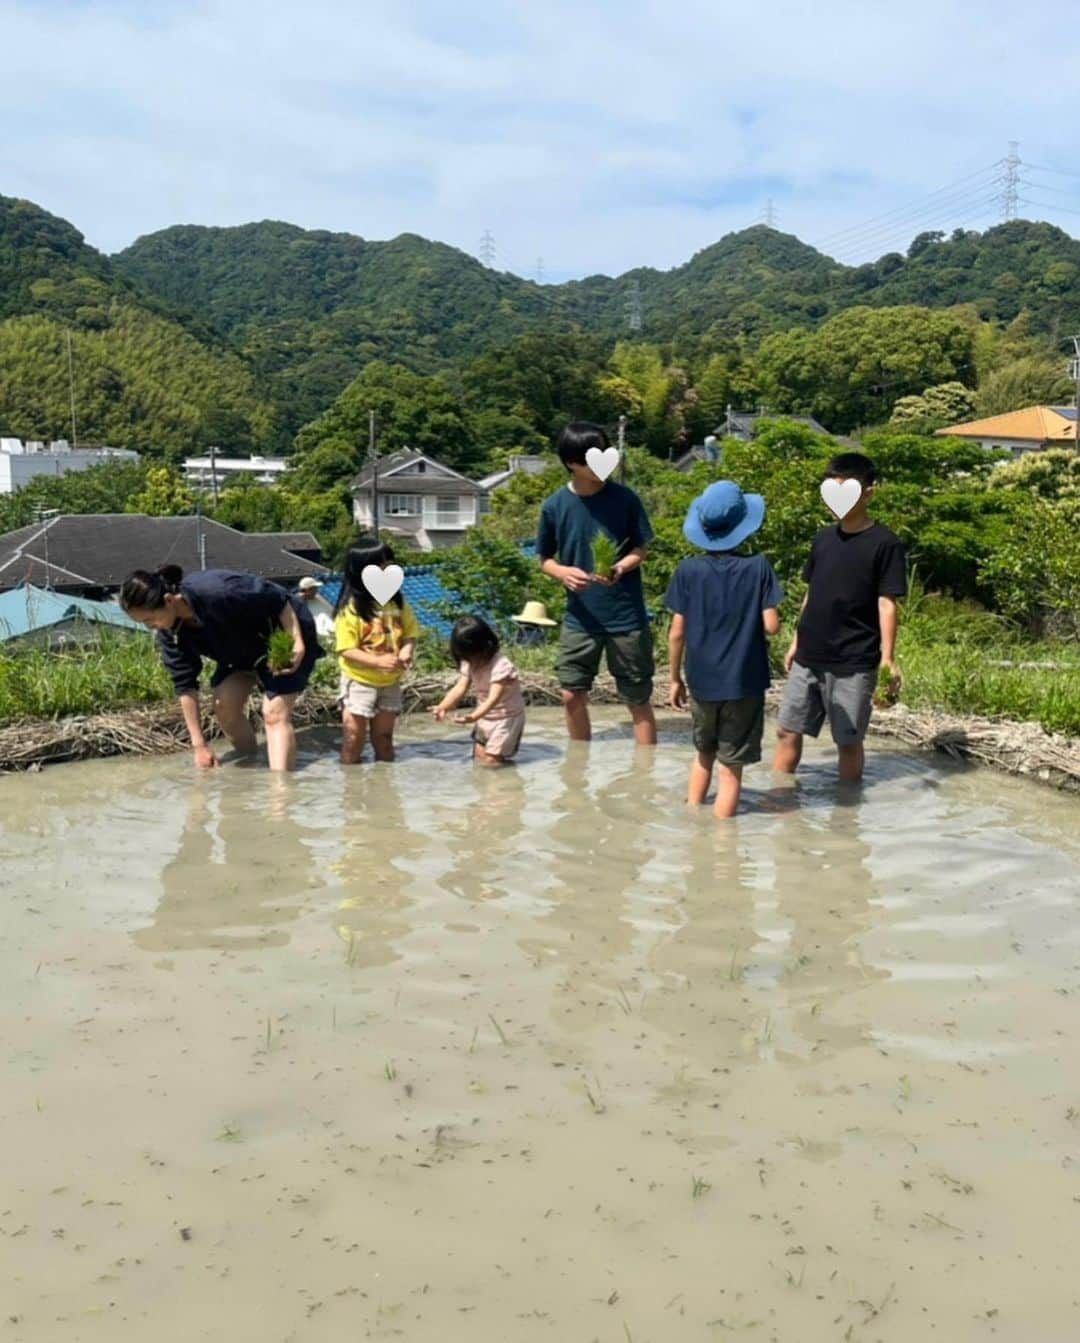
(375, 646)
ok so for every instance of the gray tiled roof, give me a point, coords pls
(101, 549)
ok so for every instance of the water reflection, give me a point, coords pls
(227, 886)
(378, 842)
(597, 849)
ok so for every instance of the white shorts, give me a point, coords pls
(365, 701)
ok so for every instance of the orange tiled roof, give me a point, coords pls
(1039, 424)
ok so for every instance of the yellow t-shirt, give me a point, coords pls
(385, 633)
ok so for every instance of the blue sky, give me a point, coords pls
(595, 136)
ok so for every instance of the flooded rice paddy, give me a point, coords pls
(432, 1053)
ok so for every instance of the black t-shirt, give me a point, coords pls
(847, 572)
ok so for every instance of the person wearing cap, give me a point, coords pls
(308, 591)
(532, 620)
(723, 604)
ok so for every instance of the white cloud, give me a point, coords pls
(575, 132)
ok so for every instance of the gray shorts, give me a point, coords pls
(729, 729)
(812, 696)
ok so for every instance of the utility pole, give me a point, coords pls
(374, 460)
(1074, 369)
(213, 474)
(1010, 195)
(487, 249)
(622, 449)
(46, 515)
(71, 389)
(200, 535)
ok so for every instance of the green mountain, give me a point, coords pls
(145, 375)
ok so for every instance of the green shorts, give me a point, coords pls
(729, 729)
(629, 660)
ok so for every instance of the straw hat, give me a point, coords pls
(534, 613)
(309, 585)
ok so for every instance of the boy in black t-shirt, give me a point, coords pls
(847, 628)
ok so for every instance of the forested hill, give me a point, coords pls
(146, 375)
(745, 286)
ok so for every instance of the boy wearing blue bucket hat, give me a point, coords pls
(723, 605)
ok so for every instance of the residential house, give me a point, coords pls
(417, 499)
(1020, 431)
(740, 425)
(20, 462)
(36, 616)
(90, 554)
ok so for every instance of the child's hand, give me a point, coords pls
(897, 680)
(789, 656)
(405, 657)
(387, 661)
(438, 713)
(574, 580)
(677, 695)
(463, 719)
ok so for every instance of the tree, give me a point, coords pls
(859, 364)
(410, 412)
(948, 403)
(163, 496)
(1033, 380)
(488, 575)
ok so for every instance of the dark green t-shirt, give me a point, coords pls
(568, 524)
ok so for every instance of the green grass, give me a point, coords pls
(112, 671)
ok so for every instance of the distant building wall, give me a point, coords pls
(19, 466)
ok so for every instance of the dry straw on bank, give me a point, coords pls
(157, 729)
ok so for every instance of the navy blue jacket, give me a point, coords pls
(236, 615)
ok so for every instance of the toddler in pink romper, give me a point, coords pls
(499, 717)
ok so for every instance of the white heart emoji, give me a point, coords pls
(841, 496)
(382, 583)
(601, 462)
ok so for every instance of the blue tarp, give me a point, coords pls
(28, 609)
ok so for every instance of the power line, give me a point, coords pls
(956, 214)
(1059, 172)
(915, 206)
(912, 218)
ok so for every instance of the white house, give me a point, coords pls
(428, 505)
(20, 462)
(204, 473)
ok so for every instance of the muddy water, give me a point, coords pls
(434, 1054)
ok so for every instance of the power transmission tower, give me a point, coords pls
(487, 249)
(633, 307)
(768, 215)
(539, 270)
(1010, 193)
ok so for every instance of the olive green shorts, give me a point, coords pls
(729, 729)
(629, 660)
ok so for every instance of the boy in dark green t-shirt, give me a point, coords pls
(604, 615)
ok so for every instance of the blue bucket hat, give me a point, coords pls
(723, 517)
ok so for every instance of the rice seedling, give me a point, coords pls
(390, 1071)
(698, 1186)
(502, 1034)
(605, 552)
(887, 692)
(597, 1104)
(279, 650)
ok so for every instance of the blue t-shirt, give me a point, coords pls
(568, 524)
(721, 598)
